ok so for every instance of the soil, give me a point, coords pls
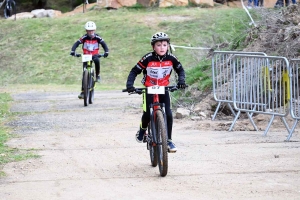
(91, 153)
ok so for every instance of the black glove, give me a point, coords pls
(72, 53)
(130, 89)
(181, 85)
(105, 54)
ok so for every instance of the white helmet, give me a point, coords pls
(160, 36)
(90, 26)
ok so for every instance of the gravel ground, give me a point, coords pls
(90, 153)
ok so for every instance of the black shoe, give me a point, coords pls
(98, 79)
(81, 95)
(138, 137)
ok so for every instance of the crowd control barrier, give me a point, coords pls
(222, 74)
(257, 83)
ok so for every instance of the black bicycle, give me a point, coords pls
(157, 136)
(88, 78)
(9, 9)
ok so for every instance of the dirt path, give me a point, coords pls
(90, 153)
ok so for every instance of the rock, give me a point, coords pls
(182, 113)
(195, 118)
(146, 3)
(203, 114)
(167, 3)
(24, 15)
(39, 13)
(119, 3)
(53, 13)
(199, 2)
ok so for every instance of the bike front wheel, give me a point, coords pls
(91, 87)
(85, 87)
(162, 147)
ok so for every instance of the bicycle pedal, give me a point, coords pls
(171, 151)
(145, 138)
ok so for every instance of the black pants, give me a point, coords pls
(163, 98)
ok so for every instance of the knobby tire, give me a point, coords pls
(152, 149)
(91, 87)
(162, 148)
(9, 12)
(85, 87)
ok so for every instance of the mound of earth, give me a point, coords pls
(278, 32)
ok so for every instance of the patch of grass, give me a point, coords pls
(8, 154)
(200, 75)
(36, 51)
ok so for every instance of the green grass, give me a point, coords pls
(8, 154)
(36, 51)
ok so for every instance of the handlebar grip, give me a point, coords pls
(78, 55)
(124, 90)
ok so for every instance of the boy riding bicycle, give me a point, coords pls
(157, 68)
(90, 45)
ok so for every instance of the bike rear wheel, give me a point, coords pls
(9, 10)
(162, 148)
(152, 149)
(85, 87)
(91, 87)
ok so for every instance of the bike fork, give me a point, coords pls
(152, 121)
(162, 105)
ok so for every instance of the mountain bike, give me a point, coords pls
(157, 136)
(88, 78)
(9, 9)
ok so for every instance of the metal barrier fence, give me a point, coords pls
(262, 85)
(222, 69)
(256, 83)
(295, 94)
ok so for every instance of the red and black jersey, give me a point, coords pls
(90, 45)
(156, 69)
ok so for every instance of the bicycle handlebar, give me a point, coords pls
(141, 90)
(99, 55)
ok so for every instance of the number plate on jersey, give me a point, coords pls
(156, 89)
(86, 57)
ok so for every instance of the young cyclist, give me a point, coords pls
(90, 45)
(157, 68)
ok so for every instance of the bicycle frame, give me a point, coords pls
(154, 107)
